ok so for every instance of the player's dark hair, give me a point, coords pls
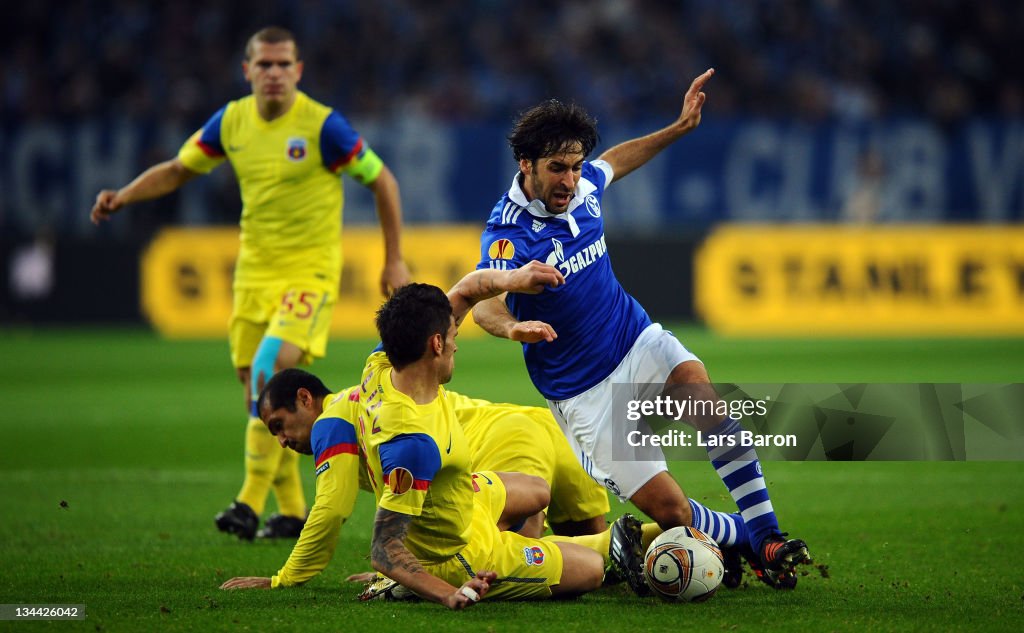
(270, 35)
(281, 389)
(550, 128)
(410, 317)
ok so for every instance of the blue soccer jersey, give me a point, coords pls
(596, 320)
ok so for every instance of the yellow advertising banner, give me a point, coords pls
(808, 280)
(186, 275)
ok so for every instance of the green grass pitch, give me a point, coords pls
(119, 447)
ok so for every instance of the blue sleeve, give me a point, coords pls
(332, 436)
(415, 452)
(209, 138)
(595, 175)
(339, 142)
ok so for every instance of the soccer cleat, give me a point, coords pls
(383, 588)
(281, 526)
(626, 555)
(775, 580)
(732, 561)
(238, 519)
(776, 564)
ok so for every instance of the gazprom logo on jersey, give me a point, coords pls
(579, 261)
(593, 206)
(296, 149)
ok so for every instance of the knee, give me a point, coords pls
(690, 372)
(663, 500)
(582, 572)
(539, 492)
(672, 513)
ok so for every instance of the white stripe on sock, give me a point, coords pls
(751, 486)
(744, 460)
(751, 513)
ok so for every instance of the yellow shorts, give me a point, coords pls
(510, 438)
(296, 312)
(526, 568)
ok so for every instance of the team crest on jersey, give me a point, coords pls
(400, 481)
(559, 251)
(296, 149)
(614, 487)
(534, 555)
(593, 206)
(501, 249)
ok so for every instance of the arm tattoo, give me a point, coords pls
(388, 549)
(485, 286)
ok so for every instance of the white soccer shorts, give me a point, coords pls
(589, 419)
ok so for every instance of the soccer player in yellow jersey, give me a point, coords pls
(436, 530)
(288, 153)
(501, 437)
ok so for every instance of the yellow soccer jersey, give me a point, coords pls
(336, 455)
(418, 462)
(288, 175)
(517, 438)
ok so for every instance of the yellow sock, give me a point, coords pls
(650, 532)
(291, 500)
(262, 455)
(600, 543)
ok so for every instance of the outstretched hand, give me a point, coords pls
(534, 277)
(694, 100)
(247, 582)
(532, 332)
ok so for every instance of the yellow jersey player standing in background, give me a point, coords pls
(288, 153)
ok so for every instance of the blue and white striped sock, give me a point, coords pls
(726, 529)
(740, 470)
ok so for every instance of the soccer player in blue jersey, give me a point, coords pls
(288, 153)
(585, 336)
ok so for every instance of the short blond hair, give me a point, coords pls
(270, 35)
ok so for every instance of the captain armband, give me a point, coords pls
(365, 166)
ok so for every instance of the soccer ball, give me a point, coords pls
(684, 564)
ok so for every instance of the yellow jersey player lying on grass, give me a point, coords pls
(502, 437)
(437, 526)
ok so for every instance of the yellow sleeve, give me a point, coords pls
(199, 157)
(336, 488)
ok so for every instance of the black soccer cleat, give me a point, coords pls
(776, 563)
(626, 555)
(239, 519)
(281, 526)
(732, 562)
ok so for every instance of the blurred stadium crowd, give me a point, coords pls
(483, 60)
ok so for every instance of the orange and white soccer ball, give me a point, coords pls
(684, 564)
